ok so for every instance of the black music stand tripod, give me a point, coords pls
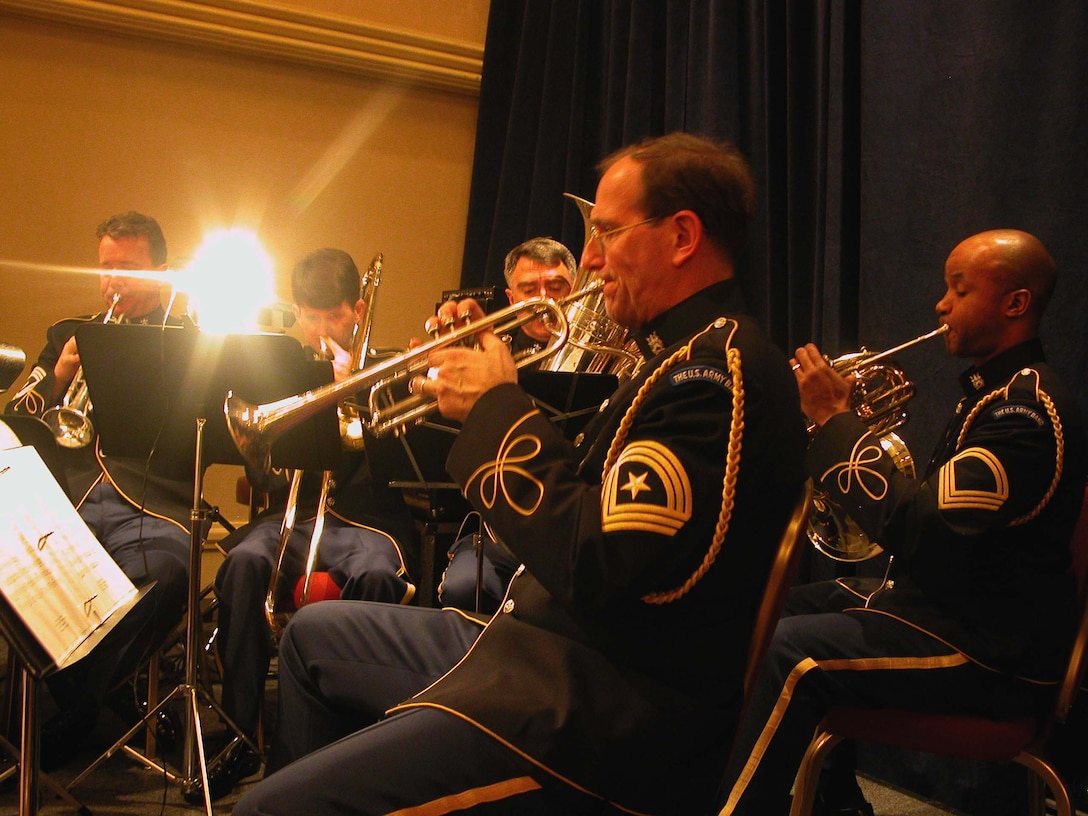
(188, 372)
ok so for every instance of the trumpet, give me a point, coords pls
(71, 420)
(255, 427)
(880, 393)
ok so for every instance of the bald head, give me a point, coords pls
(1016, 260)
(999, 283)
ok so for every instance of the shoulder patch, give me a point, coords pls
(974, 479)
(647, 490)
(701, 373)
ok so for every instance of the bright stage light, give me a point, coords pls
(228, 280)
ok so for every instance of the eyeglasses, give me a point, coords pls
(598, 236)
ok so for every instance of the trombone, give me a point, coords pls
(255, 427)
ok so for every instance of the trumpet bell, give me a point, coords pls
(71, 427)
(833, 533)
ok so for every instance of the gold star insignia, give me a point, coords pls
(636, 484)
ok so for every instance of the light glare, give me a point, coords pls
(229, 281)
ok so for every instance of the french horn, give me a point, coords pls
(879, 396)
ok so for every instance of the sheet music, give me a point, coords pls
(53, 571)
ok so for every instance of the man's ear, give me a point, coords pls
(688, 232)
(360, 310)
(1017, 302)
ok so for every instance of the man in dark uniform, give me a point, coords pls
(976, 614)
(139, 511)
(539, 267)
(613, 671)
(368, 544)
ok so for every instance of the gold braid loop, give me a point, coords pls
(1059, 446)
(732, 462)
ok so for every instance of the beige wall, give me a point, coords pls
(295, 120)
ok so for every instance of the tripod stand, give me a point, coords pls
(182, 371)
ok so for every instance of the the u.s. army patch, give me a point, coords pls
(647, 490)
(690, 373)
(974, 479)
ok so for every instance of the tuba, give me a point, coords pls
(596, 343)
(71, 420)
(879, 396)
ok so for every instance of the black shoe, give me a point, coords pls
(165, 724)
(237, 763)
(62, 735)
(852, 807)
(838, 794)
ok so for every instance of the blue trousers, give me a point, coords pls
(146, 549)
(823, 655)
(344, 663)
(363, 562)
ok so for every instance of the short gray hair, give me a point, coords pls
(545, 251)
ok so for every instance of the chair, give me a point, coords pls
(1020, 740)
(778, 585)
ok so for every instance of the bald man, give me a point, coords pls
(975, 614)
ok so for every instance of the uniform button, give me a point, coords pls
(508, 607)
(719, 323)
(332, 484)
(330, 501)
(890, 585)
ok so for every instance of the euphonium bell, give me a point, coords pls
(880, 392)
(596, 344)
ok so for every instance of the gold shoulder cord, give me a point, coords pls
(1059, 446)
(732, 461)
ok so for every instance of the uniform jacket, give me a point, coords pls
(981, 542)
(594, 668)
(167, 491)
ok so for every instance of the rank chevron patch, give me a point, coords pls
(647, 490)
(964, 485)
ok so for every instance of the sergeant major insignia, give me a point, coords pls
(647, 490)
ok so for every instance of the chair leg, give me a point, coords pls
(1044, 776)
(152, 701)
(808, 775)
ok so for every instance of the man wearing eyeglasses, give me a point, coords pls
(537, 268)
(611, 678)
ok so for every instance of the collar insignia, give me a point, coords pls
(976, 380)
(656, 344)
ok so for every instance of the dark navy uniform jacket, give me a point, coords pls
(616, 660)
(981, 542)
(163, 490)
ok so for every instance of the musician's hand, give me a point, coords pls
(64, 371)
(339, 357)
(824, 392)
(459, 375)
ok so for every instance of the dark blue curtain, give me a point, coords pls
(880, 134)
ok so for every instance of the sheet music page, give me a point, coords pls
(53, 571)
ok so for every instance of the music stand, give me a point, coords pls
(182, 376)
